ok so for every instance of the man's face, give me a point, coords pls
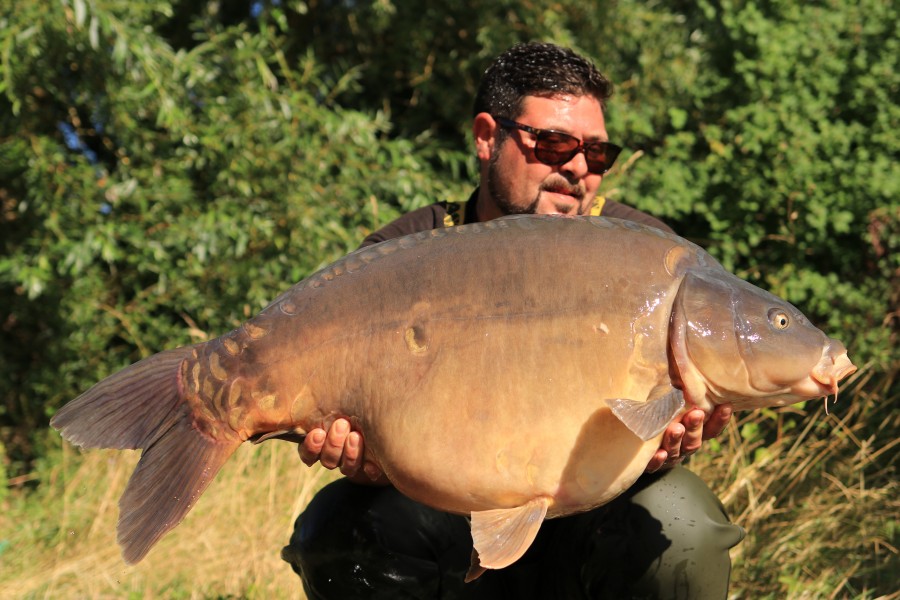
(516, 182)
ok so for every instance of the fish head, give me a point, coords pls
(734, 342)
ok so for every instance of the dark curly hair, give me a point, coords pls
(537, 69)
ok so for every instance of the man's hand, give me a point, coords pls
(343, 448)
(683, 438)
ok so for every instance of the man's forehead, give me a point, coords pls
(582, 115)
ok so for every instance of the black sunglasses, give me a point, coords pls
(557, 148)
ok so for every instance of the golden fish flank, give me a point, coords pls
(498, 327)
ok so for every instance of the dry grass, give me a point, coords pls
(61, 540)
(820, 502)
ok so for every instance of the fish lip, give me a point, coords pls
(812, 386)
(846, 371)
(832, 368)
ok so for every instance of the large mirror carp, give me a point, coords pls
(514, 370)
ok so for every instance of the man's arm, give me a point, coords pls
(422, 219)
(617, 210)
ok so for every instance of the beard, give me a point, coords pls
(501, 199)
(499, 196)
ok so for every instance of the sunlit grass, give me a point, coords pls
(816, 493)
(60, 539)
(820, 503)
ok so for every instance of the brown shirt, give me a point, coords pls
(447, 214)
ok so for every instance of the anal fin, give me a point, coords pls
(649, 418)
(501, 536)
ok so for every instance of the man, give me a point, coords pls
(541, 140)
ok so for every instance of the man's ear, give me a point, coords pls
(484, 128)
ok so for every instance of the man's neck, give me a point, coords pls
(485, 207)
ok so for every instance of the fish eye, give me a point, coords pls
(779, 319)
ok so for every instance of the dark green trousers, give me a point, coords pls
(667, 537)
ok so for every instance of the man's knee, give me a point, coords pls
(697, 536)
(689, 511)
(362, 541)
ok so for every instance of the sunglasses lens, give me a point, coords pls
(600, 157)
(553, 148)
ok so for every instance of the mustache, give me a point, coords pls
(560, 186)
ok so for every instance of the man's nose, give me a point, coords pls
(576, 168)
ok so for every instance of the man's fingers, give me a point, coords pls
(672, 440)
(311, 447)
(718, 420)
(693, 432)
(657, 462)
(685, 437)
(669, 451)
(373, 472)
(334, 444)
(351, 460)
(338, 447)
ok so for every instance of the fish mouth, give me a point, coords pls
(834, 366)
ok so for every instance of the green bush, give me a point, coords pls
(763, 131)
(778, 155)
(154, 196)
(169, 168)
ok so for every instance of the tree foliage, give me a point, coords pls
(167, 168)
(153, 194)
(764, 131)
(780, 156)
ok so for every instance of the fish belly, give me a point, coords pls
(494, 424)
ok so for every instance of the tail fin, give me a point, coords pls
(142, 407)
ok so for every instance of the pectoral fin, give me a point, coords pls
(503, 535)
(649, 418)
